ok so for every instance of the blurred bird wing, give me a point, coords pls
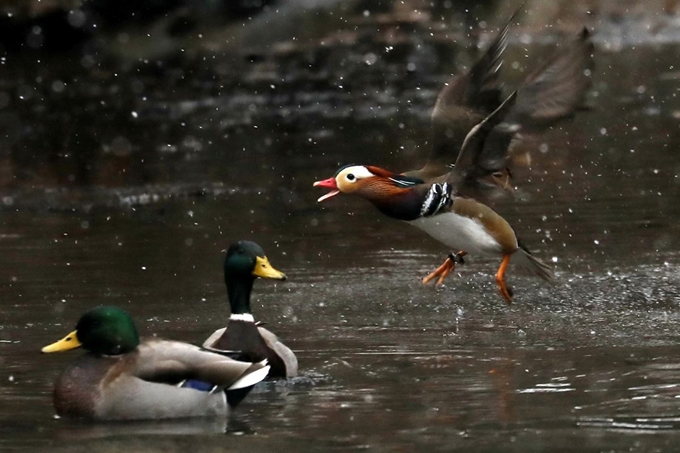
(472, 150)
(483, 154)
(557, 88)
(462, 103)
(552, 92)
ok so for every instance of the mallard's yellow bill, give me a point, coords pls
(70, 341)
(265, 270)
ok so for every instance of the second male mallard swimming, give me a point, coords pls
(121, 378)
(243, 337)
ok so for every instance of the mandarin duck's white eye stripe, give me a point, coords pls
(354, 173)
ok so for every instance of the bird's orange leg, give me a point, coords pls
(500, 280)
(445, 269)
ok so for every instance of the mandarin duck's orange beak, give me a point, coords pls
(328, 184)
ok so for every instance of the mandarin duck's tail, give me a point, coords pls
(524, 259)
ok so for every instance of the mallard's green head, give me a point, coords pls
(102, 330)
(245, 261)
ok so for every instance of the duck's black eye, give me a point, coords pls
(351, 177)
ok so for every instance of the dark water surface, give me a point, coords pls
(591, 364)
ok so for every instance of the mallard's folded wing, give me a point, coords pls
(283, 351)
(171, 361)
(209, 343)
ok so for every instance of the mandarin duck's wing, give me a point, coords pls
(553, 92)
(557, 88)
(463, 102)
(549, 94)
(477, 172)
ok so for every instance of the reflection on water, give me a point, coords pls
(386, 364)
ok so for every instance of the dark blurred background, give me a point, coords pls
(87, 88)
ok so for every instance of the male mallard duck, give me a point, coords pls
(120, 378)
(245, 261)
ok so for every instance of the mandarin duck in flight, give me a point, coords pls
(473, 127)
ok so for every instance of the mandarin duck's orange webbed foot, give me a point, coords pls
(503, 288)
(445, 269)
